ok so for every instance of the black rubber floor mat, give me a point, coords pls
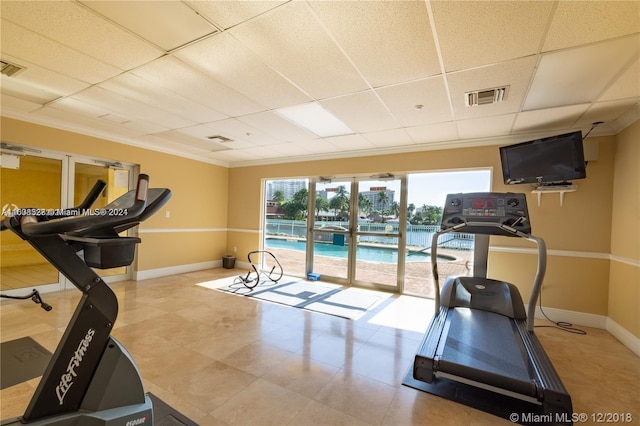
(22, 359)
(165, 415)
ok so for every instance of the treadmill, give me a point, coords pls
(480, 348)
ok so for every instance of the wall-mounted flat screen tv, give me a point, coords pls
(554, 160)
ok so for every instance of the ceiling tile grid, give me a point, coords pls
(167, 75)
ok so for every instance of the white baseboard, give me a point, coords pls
(596, 321)
(574, 317)
(173, 270)
(181, 269)
(619, 332)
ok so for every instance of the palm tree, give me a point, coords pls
(383, 199)
(395, 209)
(364, 204)
(321, 205)
(278, 196)
(340, 201)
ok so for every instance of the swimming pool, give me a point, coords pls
(370, 253)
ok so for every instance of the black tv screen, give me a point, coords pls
(547, 161)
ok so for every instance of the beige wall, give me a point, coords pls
(196, 229)
(221, 210)
(577, 232)
(624, 277)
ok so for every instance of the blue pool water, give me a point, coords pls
(374, 254)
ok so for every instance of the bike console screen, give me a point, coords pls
(483, 212)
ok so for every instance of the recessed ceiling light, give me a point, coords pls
(313, 117)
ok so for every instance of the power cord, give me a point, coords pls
(562, 325)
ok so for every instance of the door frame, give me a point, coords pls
(353, 233)
(67, 182)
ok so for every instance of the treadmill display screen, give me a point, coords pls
(483, 206)
(482, 211)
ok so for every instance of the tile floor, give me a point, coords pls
(223, 359)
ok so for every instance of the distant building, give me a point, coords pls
(372, 195)
(288, 187)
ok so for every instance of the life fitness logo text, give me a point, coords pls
(67, 379)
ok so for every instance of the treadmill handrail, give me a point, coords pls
(540, 270)
(31, 226)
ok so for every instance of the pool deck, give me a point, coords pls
(418, 278)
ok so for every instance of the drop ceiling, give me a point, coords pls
(204, 79)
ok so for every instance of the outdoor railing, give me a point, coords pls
(417, 235)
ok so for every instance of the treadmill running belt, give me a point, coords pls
(476, 349)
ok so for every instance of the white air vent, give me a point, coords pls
(487, 96)
(10, 69)
(219, 139)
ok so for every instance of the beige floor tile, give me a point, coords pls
(224, 359)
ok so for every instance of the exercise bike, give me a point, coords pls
(91, 378)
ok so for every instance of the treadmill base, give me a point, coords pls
(512, 409)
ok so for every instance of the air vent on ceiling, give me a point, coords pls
(485, 97)
(10, 69)
(219, 138)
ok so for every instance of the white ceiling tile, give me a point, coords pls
(11, 103)
(133, 87)
(350, 142)
(627, 86)
(180, 78)
(82, 108)
(293, 149)
(236, 155)
(485, 126)
(276, 126)
(128, 107)
(166, 24)
(362, 112)
(282, 38)
(581, 74)
(438, 132)
(32, 47)
(430, 93)
(165, 142)
(389, 42)
(473, 33)
(24, 90)
(550, 118)
(606, 111)
(43, 78)
(75, 121)
(64, 21)
(227, 14)
(228, 61)
(388, 138)
(582, 22)
(176, 136)
(242, 132)
(515, 74)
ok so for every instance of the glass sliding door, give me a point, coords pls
(285, 223)
(369, 231)
(425, 200)
(27, 181)
(330, 239)
(379, 253)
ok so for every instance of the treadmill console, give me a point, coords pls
(483, 212)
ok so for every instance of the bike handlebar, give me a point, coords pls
(92, 196)
(31, 226)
